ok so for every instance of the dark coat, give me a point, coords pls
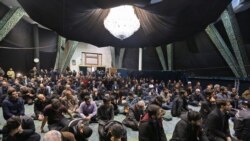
(133, 118)
(28, 133)
(11, 108)
(151, 129)
(185, 131)
(242, 125)
(217, 125)
(180, 105)
(206, 108)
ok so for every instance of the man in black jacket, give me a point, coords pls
(20, 129)
(133, 117)
(150, 127)
(189, 128)
(217, 125)
(13, 105)
(180, 104)
(40, 103)
(207, 105)
(113, 131)
(242, 122)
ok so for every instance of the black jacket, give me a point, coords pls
(180, 105)
(151, 130)
(28, 133)
(11, 108)
(242, 125)
(185, 131)
(217, 125)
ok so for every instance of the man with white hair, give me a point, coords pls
(54, 135)
(133, 117)
(196, 98)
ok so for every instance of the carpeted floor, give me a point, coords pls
(132, 135)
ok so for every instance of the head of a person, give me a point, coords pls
(12, 93)
(159, 100)
(52, 135)
(197, 91)
(116, 132)
(68, 93)
(41, 97)
(55, 103)
(223, 90)
(87, 100)
(106, 100)
(13, 123)
(83, 129)
(245, 104)
(194, 118)
(183, 93)
(131, 95)
(223, 105)
(155, 111)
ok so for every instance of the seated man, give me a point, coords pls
(113, 131)
(189, 128)
(133, 117)
(131, 100)
(180, 104)
(81, 131)
(196, 98)
(217, 122)
(70, 102)
(13, 105)
(242, 122)
(53, 113)
(40, 103)
(150, 127)
(106, 111)
(88, 110)
(54, 135)
(20, 129)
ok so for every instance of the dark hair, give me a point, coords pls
(86, 98)
(106, 99)
(117, 130)
(11, 90)
(221, 102)
(55, 103)
(208, 93)
(193, 116)
(182, 92)
(13, 122)
(153, 109)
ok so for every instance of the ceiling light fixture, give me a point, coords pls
(122, 21)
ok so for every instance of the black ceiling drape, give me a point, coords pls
(161, 23)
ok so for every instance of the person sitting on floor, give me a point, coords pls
(133, 117)
(88, 110)
(242, 122)
(20, 129)
(13, 105)
(180, 104)
(189, 128)
(150, 126)
(80, 130)
(53, 113)
(113, 131)
(40, 103)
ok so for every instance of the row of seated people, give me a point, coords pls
(168, 99)
(88, 112)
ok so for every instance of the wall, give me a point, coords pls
(84, 47)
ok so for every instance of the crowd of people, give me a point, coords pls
(68, 103)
